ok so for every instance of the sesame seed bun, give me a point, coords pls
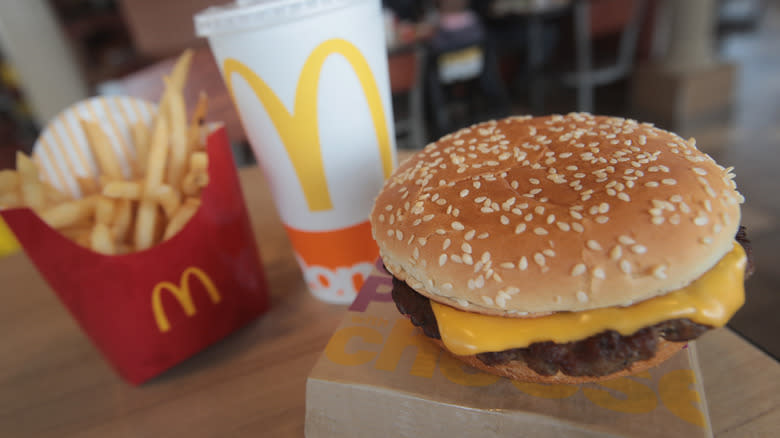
(527, 216)
(518, 370)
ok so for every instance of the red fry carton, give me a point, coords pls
(149, 310)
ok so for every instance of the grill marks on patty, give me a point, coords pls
(601, 354)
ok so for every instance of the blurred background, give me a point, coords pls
(708, 69)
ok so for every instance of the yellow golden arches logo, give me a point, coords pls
(182, 294)
(299, 130)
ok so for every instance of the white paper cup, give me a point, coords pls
(310, 81)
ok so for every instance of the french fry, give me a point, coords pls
(9, 181)
(104, 211)
(84, 239)
(124, 248)
(32, 192)
(101, 240)
(123, 220)
(132, 190)
(181, 217)
(76, 231)
(53, 195)
(101, 147)
(199, 161)
(194, 182)
(147, 210)
(140, 133)
(196, 122)
(10, 199)
(168, 198)
(69, 213)
(87, 185)
(177, 119)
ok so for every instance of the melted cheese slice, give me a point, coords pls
(712, 300)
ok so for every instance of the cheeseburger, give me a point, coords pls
(563, 249)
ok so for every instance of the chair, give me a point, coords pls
(594, 18)
(406, 66)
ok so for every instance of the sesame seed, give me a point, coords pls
(507, 265)
(651, 184)
(659, 272)
(625, 266)
(602, 219)
(548, 252)
(504, 220)
(381, 218)
(464, 193)
(669, 181)
(676, 198)
(657, 220)
(487, 300)
(684, 207)
(563, 226)
(540, 231)
(485, 257)
(603, 207)
(477, 184)
(467, 259)
(699, 171)
(551, 219)
(717, 228)
(522, 264)
(399, 235)
(520, 228)
(479, 199)
(639, 249)
(466, 248)
(578, 269)
(592, 244)
(539, 209)
(390, 233)
(625, 240)
(422, 241)
(446, 244)
(391, 221)
(427, 217)
(656, 211)
(483, 236)
(706, 240)
(539, 259)
(576, 226)
(469, 234)
(388, 207)
(599, 273)
(708, 205)
(457, 226)
(416, 253)
(575, 214)
(623, 196)
(533, 180)
(616, 252)
(582, 297)
(701, 220)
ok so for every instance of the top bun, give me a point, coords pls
(527, 216)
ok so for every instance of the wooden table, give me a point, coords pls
(54, 383)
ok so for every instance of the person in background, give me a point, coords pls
(458, 30)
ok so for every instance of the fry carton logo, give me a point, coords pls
(183, 295)
(299, 129)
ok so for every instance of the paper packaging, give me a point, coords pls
(310, 81)
(380, 377)
(149, 310)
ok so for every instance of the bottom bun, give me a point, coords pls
(517, 370)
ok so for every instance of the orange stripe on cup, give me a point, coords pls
(334, 249)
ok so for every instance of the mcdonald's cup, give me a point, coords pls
(310, 81)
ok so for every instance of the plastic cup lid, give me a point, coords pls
(252, 14)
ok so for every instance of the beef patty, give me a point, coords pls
(599, 355)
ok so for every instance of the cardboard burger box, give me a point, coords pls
(149, 310)
(379, 376)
